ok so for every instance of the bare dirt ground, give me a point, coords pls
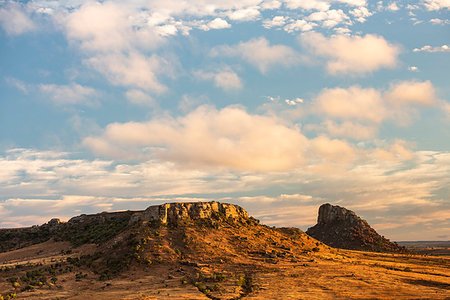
(326, 274)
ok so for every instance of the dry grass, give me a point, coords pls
(254, 262)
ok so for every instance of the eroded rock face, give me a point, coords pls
(171, 213)
(342, 228)
(329, 214)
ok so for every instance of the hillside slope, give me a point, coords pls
(204, 250)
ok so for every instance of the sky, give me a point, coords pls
(275, 105)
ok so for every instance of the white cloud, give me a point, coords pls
(276, 21)
(393, 6)
(229, 138)
(352, 54)
(320, 5)
(428, 48)
(270, 4)
(307, 4)
(440, 21)
(413, 68)
(299, 25)
(15, 20)
(218, 23)
(226, 78)
(329, 18)
(293, 102)
(69, 94)
(412, 92)
(135, 69)
(436, 4)
(139, 97)
(260, 53)
(245, 14)
(361, 14)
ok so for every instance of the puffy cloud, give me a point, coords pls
(392, 6)
(218, 23)
(361, 14)
(226, 79)
(98, 26)
(276, 21)
(246, 14)
(333, 150)
(352, 54)
(369, 107)
(109, 27)
(329, 18)
(134, 69)
(260, 53)
(412, 92)
(270, 4)
(299, 25)
(428, 48)
(14, 19)
(321, 5)
(436, 4)
(139, 97)
(291, 102)
(354, 103)
(68, 94)
(308, 4)
(229, 138)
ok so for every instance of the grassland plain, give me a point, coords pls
(218, 257)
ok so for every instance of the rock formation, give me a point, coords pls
(171, 213)
(342, 228)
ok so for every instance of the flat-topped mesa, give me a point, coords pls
(173, 213)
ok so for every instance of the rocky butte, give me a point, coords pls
(341, 228)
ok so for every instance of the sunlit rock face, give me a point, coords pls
(342, 228)
(172, 213)
(329, 214)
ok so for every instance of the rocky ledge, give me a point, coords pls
(342, 228)
(171, 213)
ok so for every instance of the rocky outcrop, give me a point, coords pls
(342, 228)
(173, 213)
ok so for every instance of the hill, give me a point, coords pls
(341, 228)
(203, 250)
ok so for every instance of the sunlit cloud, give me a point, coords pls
(224, 78)
(352, 54)
(260, 53)
(229, 137)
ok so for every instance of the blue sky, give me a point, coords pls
(278, 106)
